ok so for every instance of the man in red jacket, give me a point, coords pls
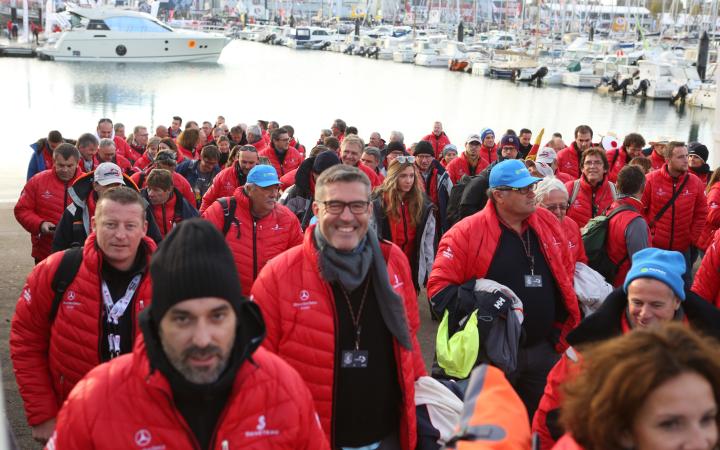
(54, 342)
(674, 205)
(533, 263)
(469, 162)
(230, 178)
(621, 157)
(346, 318)
(87, 145)
(282, 157)
(260, 228)
(107, 152)
(44, 198)
(105, 130)
(351, 150)
(167, 204)
(438, 139)
(569, 157)
(197, 378)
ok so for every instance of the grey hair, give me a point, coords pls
(105, 142)
(255, 131)
(374, 151)
(340, 173)
(396, 136)
(547, 185)
(325, 132)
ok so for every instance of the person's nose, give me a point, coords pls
(202, 336)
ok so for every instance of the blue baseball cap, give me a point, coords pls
(662, 265)
(511, 173)
(263, 175)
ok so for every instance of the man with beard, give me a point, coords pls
(197, 377)
(230, 178)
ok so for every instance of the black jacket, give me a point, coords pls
(299, 197)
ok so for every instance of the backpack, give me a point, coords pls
(228, 205)
(456, 193)
(64, 275)
(594, 237)
(576, 190)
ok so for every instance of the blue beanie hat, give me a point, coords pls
(662, 265)
(486, 132)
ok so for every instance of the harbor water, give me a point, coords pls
(306, 89)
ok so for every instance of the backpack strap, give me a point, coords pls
(64, 275)
(575, 191)
(674, 197)
(228, 205)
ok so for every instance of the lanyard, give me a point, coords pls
(356, 319)
(115, 310)
(527, 247)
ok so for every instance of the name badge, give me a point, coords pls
(533, 281)
(354, 359)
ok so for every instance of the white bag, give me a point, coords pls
(591, 288)
(444, 407)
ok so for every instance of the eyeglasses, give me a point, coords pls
(405, 159)
(592, 163)
(558, 206)
(523, 190)
(337, 207)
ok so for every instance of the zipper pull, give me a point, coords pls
(225, 445)
(142, 305)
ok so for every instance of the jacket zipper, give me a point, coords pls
(405, 224)
(164, 220)
(254, 238)
(335, 370)
(672, 218)
(183, 423)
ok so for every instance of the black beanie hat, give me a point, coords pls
(395, 146)
(700, 150)
(424, 148)
(192, 261)
(325, 160)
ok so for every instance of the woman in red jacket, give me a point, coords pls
(403, 216)
(713, 212)
(592, 194)
(186, 143)
(653, 389)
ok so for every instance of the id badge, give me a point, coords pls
(533, 281)
(354, 359)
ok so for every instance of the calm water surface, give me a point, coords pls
(308, 90)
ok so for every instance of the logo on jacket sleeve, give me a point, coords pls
(26, 295)
(305, 302)
(142, 437)
(261, 429)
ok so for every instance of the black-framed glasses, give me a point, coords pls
(523, 190)
(337, 207)
(405, 159)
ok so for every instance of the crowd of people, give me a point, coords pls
(230, 287)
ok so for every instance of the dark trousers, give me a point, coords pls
(534, 362)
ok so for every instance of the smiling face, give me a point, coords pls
(262, 199)
(351, 155)
(437, 128)
(343, 231)
(593, 169)
(197, 337)
(105, 130)
(650, 302)
(119, 230)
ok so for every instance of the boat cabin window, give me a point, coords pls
(135, 25)
(97, 25)
(319, 33)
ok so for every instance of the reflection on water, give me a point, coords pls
(308, 90)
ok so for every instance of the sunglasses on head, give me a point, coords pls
(405, 159)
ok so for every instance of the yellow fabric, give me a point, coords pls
(457, 354)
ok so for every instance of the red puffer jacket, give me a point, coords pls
(616, 242)
(261, 145)
(438, 142)
(186, 153)
(575, 242)
(712, 222)
(50, 358)
(142, 163)
(292, 160)
(459, 167)
(489, 154)
(683, 222)
(656, 160)
(707, 278)
(299, 311)
(617, 158)
(375, 179)
(255, 242)
(568, 161)
(590, 201)
(269, 408)
(43, 199)
(223, 185)
(123, 148)
(467, 249)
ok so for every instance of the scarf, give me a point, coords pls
(350, 269)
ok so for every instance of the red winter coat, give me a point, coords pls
(459, 167)
(489, 154)
(50, 358)
(299, 311)
(223, 185)
(707, 278)
(616, 243)
(568, 160)
(617, 158)
(255, 242)
(438, 142)
(179, 182)
(467, 249)
(581, 209)
(575, 242)
(656, 161)
(269, 408)
(185, 153)
(288, 179)
(123, 148)
(261, 145)
(142, 163)
(682, 223)
(712, 222)
(562, 176)
(292, 160)
(43, 199)
(375, 179)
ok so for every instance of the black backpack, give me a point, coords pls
(456, 193)
(229, 204)
(65, 274)
(595, 238)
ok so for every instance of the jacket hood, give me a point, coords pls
(303, 176)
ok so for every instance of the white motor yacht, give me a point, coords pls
(117, 35)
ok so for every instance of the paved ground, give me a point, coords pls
(16, 263)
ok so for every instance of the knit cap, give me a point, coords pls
(193, 261)
(395, 147)
(486, 132)
(662, 265)
(424, 148)
(324, 161)
(700, 150)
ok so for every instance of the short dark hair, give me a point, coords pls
(672, 145)
(170, 143)
(595, 151)
(582, 129)
(210, 152)
(340, 124)
(351, 130)
(105, 120)
(160, 178)
(524, 130)
(510, 132)
(277, 133)
(66, 151)
(630, 180)
(190, 124)
(557, 135)
(222, 138)
(642, 162)
(119, 126)
(634, 140)
(55, 137)
(290, 130)
(317, 150)
(332, 143)
(87, 139)
(237, 129)
(120, 194)
(178, 118)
